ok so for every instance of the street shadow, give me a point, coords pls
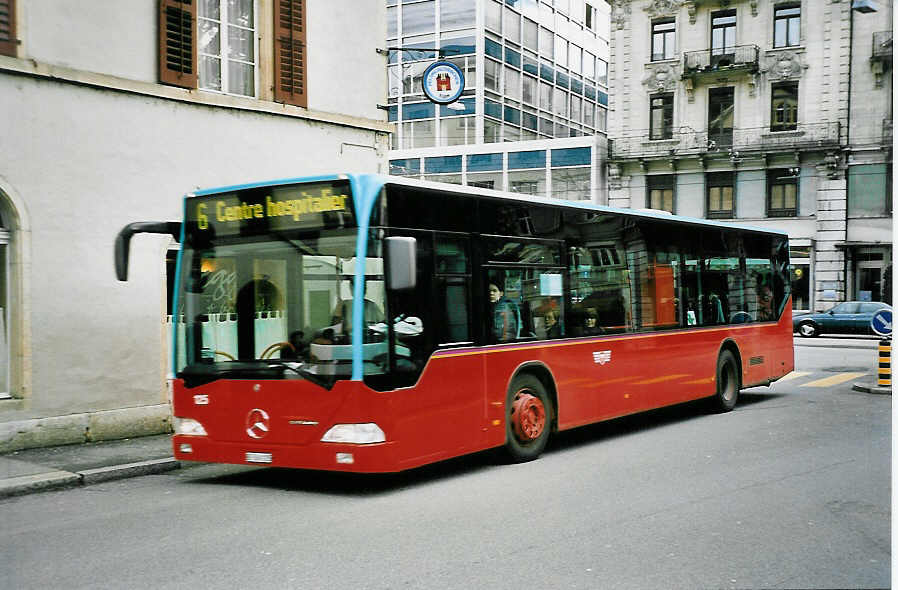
(353, 484)
(633, 424)
(362, 485)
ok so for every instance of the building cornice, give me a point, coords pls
(45, 71)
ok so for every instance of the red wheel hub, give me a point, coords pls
(528, 415)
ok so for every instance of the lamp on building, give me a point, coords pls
(456, 106)
(794, 172)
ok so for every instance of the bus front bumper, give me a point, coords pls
(358, 458)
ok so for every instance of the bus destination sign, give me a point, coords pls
(301, 206)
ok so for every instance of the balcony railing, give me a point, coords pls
(721, 59)
(882, 45)
(685, 142)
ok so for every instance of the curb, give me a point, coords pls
(41, 482)
(55, 480)
(869, 388)
(101, 474)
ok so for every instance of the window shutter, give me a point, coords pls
(8, 40)
(177, 43)
(290, 53)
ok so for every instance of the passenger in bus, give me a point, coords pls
(553, 328)
(325, 337)
(712, 310)
(506, 315)
(591, 322)
(298, 349)
(765, 304)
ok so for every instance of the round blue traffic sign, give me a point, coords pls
(882, 322)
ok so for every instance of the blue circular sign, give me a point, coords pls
(882, 322)
(443, 82)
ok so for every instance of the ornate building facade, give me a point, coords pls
(775, 113)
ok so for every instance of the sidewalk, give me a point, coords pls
(37, 470)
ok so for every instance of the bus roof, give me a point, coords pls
(462, 190)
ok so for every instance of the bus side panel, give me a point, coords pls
(676, 367)
(598, 380)
(769, 353)
(444, 414)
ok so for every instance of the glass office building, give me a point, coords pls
(536, 74)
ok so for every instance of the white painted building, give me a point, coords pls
(93, 139)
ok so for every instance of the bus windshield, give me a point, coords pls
(272, 298)
(252, 307)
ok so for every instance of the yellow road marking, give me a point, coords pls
(834, 380)
(793, 375)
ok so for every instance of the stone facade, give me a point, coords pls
(769, 92)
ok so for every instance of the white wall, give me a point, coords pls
(120, 38)
(88, 161)
(345, 69)
(113, 37)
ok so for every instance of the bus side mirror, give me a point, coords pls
(400, 258)
(123, 240)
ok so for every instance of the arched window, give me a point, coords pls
(15, 381)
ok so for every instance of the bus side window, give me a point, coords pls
(507, 319)
(452, 304)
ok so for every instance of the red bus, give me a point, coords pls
(375, 324)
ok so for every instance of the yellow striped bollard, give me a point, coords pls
(885, 363)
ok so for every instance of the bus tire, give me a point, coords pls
(528, 418)
(727, 382)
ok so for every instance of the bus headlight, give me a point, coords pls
(189, 426)
(360, 434)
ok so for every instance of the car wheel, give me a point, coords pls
(808, 329)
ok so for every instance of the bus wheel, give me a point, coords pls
(727, 382)
(528, 419)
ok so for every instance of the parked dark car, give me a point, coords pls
(850, 317)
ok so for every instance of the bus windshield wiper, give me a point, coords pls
(286, 364)
(304, 373)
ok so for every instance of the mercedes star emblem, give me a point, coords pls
(257, 423)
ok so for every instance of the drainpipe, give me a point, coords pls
(847, 252)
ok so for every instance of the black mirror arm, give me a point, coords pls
(123, 240)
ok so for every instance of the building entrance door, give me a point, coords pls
(869, 281)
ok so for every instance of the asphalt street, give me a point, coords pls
(790, 490)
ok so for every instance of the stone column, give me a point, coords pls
(618, 186)
(831, 232)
